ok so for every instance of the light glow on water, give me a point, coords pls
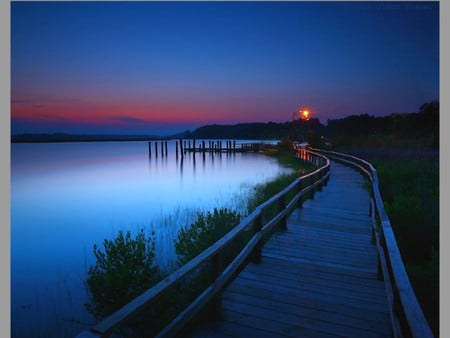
(66, 197)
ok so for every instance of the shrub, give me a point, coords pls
(123, 271)
(206, 230)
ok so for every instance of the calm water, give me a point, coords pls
(65, 197)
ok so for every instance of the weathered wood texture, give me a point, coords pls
(318, 278)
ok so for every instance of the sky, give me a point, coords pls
(158, 68)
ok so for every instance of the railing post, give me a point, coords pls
(319, 177)
(372, 217)
(256, 255)
(311, 182)
(216, 270)
(299, 189)
(281, 207)
(382, 244)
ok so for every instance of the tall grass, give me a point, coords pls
(262, 192)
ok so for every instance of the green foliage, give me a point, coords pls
(410, 190)
(124, 270)
(398, 128)
(206, 230)
(425, 278)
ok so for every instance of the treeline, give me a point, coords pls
(269, 130)
(423, 124)
(253, 131)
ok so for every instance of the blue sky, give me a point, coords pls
(162, 67)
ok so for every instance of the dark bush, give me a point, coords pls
(122, 272)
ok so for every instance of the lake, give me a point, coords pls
(66, 197)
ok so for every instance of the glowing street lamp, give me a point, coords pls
(304, 114)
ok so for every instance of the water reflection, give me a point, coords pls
(66, 197)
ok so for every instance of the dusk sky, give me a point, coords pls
(164, 67)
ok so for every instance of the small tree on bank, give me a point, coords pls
(122, 272)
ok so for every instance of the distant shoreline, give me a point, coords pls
(54, 138)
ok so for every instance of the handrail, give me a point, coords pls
(404, 307)
(222, 277)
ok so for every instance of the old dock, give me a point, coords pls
(182, 146)
(318, 278)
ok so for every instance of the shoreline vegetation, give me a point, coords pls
(115, 279)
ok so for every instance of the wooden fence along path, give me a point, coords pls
(318, 278)
(331, 267)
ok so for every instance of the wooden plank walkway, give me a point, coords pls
(316, 279)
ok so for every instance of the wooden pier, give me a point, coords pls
(316, 279)
(182, 146)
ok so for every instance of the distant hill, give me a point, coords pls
(250, 131)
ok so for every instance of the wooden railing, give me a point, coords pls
(255, 223)
(407, 316)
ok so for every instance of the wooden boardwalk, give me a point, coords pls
(316, 279)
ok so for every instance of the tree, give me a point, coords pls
(122, 272)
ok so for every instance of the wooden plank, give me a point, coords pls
(231, 329)
(309, 237)
(295, 324)
(319, 232)
(343, 275)
(333, 211)
(277, 328)
(309, 312)
(299, 273)
(329, 231)
(335, 217)
(333, 291)
(338, 256)
(320, 256)
(353, 269)
(309, 301)
(311, 292)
